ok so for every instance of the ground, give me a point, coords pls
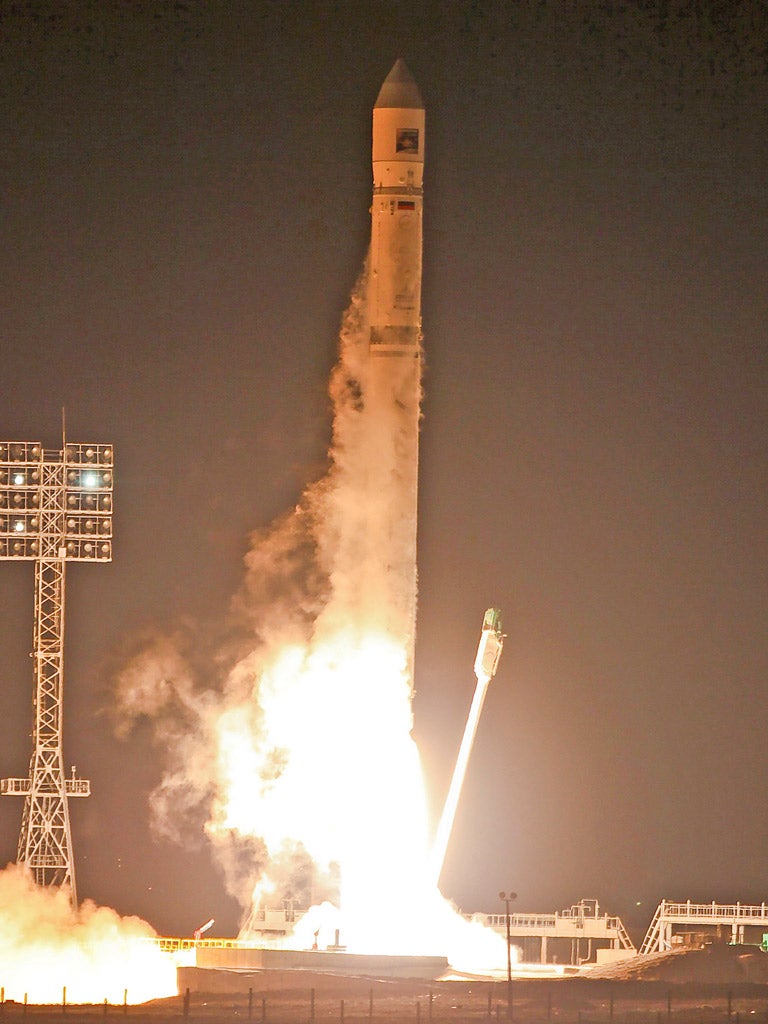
(675, 990)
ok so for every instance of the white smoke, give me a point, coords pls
(302, 761)
(320, 573)
(52, 953)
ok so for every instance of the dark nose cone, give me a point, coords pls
(400, 89)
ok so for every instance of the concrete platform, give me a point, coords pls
(222, 969)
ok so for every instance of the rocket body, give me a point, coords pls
(396, 212)
(394, 317)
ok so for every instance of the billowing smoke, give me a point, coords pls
(301, 761)
(52, 953)
(318, 583)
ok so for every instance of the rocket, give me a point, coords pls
(398, 169)
(394, 316)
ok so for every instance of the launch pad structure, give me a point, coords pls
(579, 936)
(676, 924)
(55, 507)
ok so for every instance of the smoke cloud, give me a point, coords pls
(317, 583)
(301, 762)
(47, 947)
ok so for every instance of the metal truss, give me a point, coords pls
(726, 918)
(54, 507)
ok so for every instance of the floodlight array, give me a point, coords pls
(56, 504)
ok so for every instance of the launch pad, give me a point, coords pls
(233, 966)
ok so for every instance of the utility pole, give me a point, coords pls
(55, 507)
(507, 898)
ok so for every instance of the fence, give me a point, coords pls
(577, 1001)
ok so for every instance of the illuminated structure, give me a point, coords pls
(486, 663)
(673, 921)
(55, 507)
(577, 935)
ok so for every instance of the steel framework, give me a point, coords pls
(55, 507)
(728, 917)
(582, 921)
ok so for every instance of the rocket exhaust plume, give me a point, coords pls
(303, 765)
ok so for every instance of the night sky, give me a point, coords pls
(185, 195)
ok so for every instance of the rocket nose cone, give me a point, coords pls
(400, 89)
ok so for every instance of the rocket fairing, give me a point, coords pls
(394, 317)
(398, 169)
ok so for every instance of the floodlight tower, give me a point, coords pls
(55, 507)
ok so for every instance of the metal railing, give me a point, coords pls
(658, 938)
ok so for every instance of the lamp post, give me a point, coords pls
(507, 898)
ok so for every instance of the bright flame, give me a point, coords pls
(334, 766)
(93, 953)
(332, 757)
(306, 761)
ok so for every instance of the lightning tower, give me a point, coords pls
(55, 507)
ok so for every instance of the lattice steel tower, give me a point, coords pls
(55, 507)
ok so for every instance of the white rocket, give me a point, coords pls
(394, 313)
(398, 169)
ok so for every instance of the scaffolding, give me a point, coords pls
(55, 507)
(729, 920)
(581, 929)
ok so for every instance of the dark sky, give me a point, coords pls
(185, 195)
